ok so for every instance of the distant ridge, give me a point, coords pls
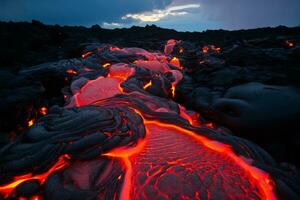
(26, 44)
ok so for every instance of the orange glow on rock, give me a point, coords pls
(176, 62)
(35, 198)
(30, 122)
(148, 85)
(120, 177)
(205, 49)
(209, 125)
(43, 110)
(86, 54)
(8, 188)
(106, 65)
(72, 72)
(208, 48)
(31, 198)
(181, 50)
(173, 88)
(183, 114)
(289, 44)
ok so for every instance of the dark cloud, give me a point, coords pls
(237, 14)
(74, 12)
(213, 14)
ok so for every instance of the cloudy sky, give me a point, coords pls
(183, 15)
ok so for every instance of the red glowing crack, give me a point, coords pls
(60, 164)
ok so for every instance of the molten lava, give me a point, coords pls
(176, 62)
(106, 65)
(43, 111)
(205, 49)
(289, 43)
(212, 48)
(157, 165)
(60, 164)
(181, 50)
(30, 122)
(86, 54)
(147, 85)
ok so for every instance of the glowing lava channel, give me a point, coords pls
(60, 164)
(125, 154)
(192, 149)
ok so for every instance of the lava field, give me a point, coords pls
(129, 123)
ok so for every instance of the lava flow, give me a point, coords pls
(60, 164)
(174, 163)
(172, 160)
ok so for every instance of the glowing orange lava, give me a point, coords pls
(43, 110)
(208, 48)
(8, 188)
(181, 50)
(173, 88)
(132, 157)
(205, 49)
(125, 154)
(30, 122)
(147, 85)
(86, 54)
(175, 62)
(72, 72)
(106, 65)
(183, 114)
(289, 43)
(31, 198)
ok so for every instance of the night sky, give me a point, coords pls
(183, 15)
